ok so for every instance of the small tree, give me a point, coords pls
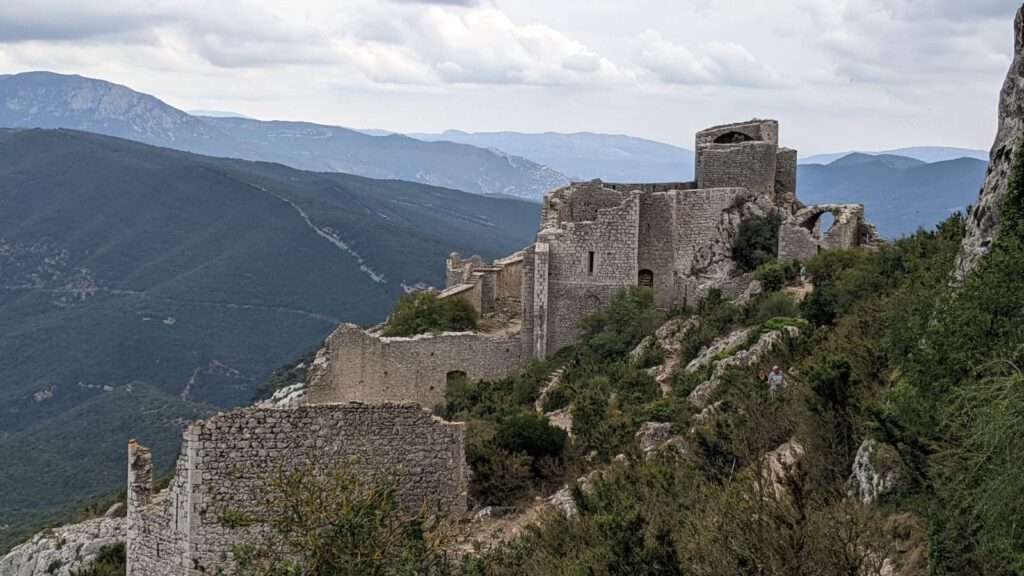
(757, 242)
(424, 312)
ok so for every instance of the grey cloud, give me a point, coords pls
(440, 2)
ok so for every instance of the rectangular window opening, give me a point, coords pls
(590, 263)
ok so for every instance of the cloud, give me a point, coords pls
(440, 2)
(911, 41)
(480, 46)
(713, 63)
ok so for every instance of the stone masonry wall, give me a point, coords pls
(574, 290)
(357, 366)
(229, 461)
(750, 165)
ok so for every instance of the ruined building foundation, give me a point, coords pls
(228, 462)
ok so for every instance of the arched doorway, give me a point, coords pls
(455, 378)
(645, 278)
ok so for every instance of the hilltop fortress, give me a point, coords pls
(595, 239)
(368, 396)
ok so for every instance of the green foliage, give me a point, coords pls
(614, 332)
(775, 275)
(424, 312)
(333, 523)
(110, 561)
(532, 435)
(772, 305)
(757, 242)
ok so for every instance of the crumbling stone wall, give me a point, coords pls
(487, 288)
(745, 155)
(359, 366)
(801, 237)
(228, 462)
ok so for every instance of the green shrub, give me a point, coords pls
(110, 561)
(339, 523)
(757, 242)
(531, 434)
(614, 332)
(424, 312)
(772, 305)
(775, 275)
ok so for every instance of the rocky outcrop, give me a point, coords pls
(655, 437)
(669, 337)
(59, 551)
(779, 466)
(746, 358)
(985, 218)
(876, 472)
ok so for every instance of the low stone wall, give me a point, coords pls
(357, 366)
(228, 463)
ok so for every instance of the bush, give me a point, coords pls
(774, 275)
(109, 562)
(336, 522)
(531, 434)
(757, 242)
(613, 333)
(424, 312)
(773, 305)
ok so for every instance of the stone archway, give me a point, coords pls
(645, 278)
(733, 137)
(455, 377)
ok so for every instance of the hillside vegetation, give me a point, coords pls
(888, 356)
(142, 287)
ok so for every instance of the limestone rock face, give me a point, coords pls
(59, 551)
(986, 216)
(875, 472)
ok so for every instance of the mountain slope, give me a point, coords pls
(46, 100)
(586, 155)
(191, 278)
(899, 194)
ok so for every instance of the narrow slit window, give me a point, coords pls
(590, 263)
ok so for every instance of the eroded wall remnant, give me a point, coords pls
(356, 365)
(801, 236)
(228, 462)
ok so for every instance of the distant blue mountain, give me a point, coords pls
(47, 100)
(586, 155)
(927, 154)
(899, 194)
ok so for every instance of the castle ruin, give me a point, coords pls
(595, 239)
(366, 399)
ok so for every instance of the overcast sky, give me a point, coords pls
(838, 74)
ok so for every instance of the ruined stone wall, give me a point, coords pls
(706, 224)
(588, 263)
(656, 250)
(357, 366)
(801, 236)
(785, 178)
(509, 280)
(229, 461)
(651, 186)
(750, 165)
(759, 130)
